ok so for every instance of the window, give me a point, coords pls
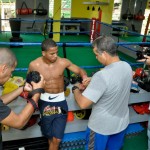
(7, 11)
(51, 6)
(147, 12)
(117, 10)
(65, 8)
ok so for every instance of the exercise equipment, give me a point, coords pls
(82, 114)
(24, 11)
(128, 15)
(75, 78)
(40, 11)
(31, 122)
(33, 76)
(15, 26)
(70, 116)
(142, 108)
(139, 16)
(5, 127)
(66, 83)
(67, 92)
(24, 94)
(12, 84)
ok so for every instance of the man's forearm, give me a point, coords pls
(83, 74)
(7, 98)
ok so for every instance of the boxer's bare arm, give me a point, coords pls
(74, 68)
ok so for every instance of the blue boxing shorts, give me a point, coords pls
(53, 110)
(96, 141)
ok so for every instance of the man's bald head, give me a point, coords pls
(7, 57)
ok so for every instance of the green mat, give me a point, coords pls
(81, 56)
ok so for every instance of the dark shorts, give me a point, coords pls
(96, 141)
(53, 125)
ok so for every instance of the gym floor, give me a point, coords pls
(135, 141)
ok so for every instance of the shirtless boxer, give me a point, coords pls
(52, 104)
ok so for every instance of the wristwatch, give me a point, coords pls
(74, 88)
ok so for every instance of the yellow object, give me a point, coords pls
(67, 92)
(12, 84)
(80, 114)
(125, 34)
(4, 127)
(57, 16)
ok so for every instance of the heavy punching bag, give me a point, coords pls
(15, 25)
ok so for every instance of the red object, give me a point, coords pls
(139, 73)
(24, 11)
(142, 108)
(93, 29)
(139, 15)
(24, 94)
(70, 116)
(31, 122)
(98, 24)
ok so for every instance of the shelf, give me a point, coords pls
(74, 126)
(135, 117)
(96, 3)
(15, 134)
(34, 131)
(140, 97)
(20, 102)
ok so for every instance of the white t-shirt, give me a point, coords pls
(109, 90)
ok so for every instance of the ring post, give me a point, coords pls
(93, 29)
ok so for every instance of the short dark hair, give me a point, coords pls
(48, 43)
(105, 43)
(7, 57)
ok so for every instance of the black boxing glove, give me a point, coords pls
(66, 83)
(33, 76)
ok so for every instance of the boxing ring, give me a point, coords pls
(80, 53)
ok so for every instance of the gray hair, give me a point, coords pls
(105, 43)
(7, 57)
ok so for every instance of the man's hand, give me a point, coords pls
(147, 60)
(80, 86)
(27, 87)
(86, 81)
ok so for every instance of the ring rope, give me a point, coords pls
(87, 20)
(61, 32)
(133, 50)
(71, 44)
(49, 20)
(135, 33)
(84, 67)
(74, 21)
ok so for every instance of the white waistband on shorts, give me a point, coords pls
(53, 97)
